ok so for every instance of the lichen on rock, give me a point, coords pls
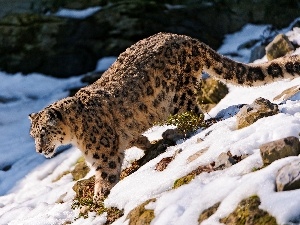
(212, 92)
(248, 213)
(260, 108)
(278, 149)
(80, 170)
(279, 47)
(208, 212)
(140, 215)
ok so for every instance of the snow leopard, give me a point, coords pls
(157, 77)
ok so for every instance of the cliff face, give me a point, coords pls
(35, 38)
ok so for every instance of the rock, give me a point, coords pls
(63, 46)
(80, 170)
(142, 142)
(152, 150)
(183, 180)
(189, 177)
(278, 149)
(163, 163)
(288, 177)
(289, 93)
(260, 108)
(279, 47)
(140, 215)
(208, 212)
(197, 154)
(172, 135)
(224, 160)
(15, 6)
(212, 91)
(45, 44)
(248, 213)
(129, 170)
(85, 188)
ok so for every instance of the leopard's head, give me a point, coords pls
(48, 130)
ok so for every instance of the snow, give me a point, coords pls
(30, 193)
(104, 63)
(77, 13)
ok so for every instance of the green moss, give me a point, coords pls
(186, 122)
(183, 180)
(248, 212)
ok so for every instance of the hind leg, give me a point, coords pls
(186, 101)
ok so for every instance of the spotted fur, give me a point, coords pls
(152, 79)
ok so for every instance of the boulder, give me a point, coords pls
(45, 44)
(279, 47)
(212, 91)
(278, 149)
(208, 212)
(249, 213)
(260, 108)
(140, 215)
(288, 177)
(80, 170)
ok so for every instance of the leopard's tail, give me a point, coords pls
(230, 71)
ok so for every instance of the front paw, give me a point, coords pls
(100, 196)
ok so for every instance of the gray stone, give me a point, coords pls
(288, 93)
(279, 47)
(288, 177)
(224, 160)
(260, 108)
(278, 149)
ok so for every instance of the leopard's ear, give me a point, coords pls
(31, 116)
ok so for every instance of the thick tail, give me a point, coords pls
(230, 71)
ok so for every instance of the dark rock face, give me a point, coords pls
(34, 42)
(45, 44)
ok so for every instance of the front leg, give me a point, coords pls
(107, 175)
